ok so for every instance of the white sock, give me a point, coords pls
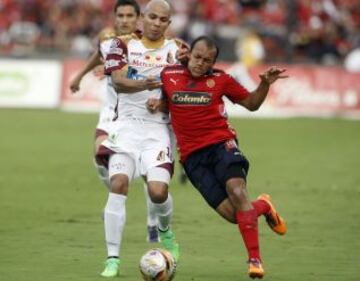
(151, 209)
(114, 221)
(164, 212)
(103, 174)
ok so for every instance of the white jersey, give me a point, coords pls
(143, 59)
(139, 136)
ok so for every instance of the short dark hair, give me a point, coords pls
(210, 43)
(132, 3)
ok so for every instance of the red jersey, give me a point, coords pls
(197, 110)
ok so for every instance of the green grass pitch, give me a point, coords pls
(51, 203)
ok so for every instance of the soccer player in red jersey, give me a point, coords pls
(207, 143)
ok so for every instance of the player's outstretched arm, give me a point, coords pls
(94, 61)
(122, 84)
(257, 97)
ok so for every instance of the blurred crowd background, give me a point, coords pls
(291, 31)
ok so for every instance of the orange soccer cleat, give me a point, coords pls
(255, 269)
(273, 219)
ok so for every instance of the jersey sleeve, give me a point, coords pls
(233, 90)
(104, 35)
(117, 56)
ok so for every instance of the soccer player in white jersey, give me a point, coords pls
(139, 144)
(127, 13)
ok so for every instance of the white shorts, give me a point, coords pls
(139, 146)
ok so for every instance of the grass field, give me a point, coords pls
(51, 203)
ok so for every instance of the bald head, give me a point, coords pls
(158, 5)
(156, 19)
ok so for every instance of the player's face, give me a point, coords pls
(125, 20)
(202, 58)
(156, 20)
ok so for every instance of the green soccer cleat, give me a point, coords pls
(168, 241)
(111, 268)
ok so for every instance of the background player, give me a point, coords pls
(208, 145)
(127, 13)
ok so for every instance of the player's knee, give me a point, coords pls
(237, 193)
(236, 182)
(158, 192)
(119, 184)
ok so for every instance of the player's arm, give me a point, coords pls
(255, 99)
(116, 67)
(122, 84)
(155, 105)
(93, 61)
(183, 53)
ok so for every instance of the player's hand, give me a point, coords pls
(153, 105)
(182, 55)
(75, 84)
(152, 83)
(272, 74)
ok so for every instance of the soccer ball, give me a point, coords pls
(157, 265)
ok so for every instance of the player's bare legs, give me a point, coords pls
(227, 211)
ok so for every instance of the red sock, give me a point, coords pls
(248, 226)
(261, 207)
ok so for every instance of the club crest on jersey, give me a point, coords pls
(115, 43)
(210, 83)
(191, 98)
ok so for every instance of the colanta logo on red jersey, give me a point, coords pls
(191, 98)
